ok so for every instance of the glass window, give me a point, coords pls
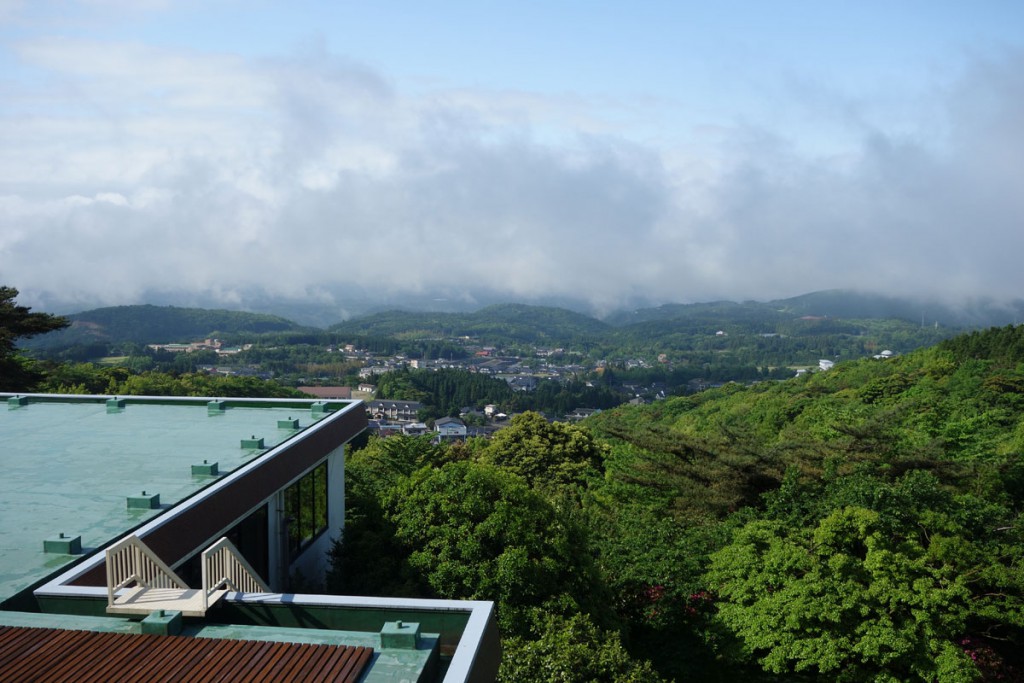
(306, 507)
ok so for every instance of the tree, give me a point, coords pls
(570, 650)
(845, 600)
(653, 564)
(545, 454)
(368, 539)
(18, 373)
(474, 531)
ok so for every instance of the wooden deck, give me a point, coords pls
(58, 656)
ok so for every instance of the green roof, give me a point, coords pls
(70, 464)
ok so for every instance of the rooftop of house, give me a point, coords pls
(95, 468)
(328, 392)
(101, 470)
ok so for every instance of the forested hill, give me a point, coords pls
(750, 333)
(890, 321)
(147, 324)
(858, 524)
(499, 323)
(960, 401)
(863, 523)
(834, 304)
(832, 324)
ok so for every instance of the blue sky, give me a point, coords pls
(615, 153)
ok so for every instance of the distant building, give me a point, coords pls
(522, 382)
(385, 429)
(372, 371)
(407, 411)
(205, 345)
(414, 429)
(450, 429)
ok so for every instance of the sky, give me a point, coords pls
(220, 152)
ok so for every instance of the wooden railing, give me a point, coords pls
(130, 562)
(224, 568)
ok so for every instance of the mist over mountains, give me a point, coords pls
(168, 318)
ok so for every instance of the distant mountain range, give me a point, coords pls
(531, 324)
(148, 324)
(840, 304)
(527, 323)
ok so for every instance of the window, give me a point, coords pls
(306, 508)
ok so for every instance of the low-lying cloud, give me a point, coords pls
(130, 169)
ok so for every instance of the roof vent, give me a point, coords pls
(147, 501)
(400, 635)
(216, 407)
(63, 545)
(208, 469)
(16, 402)
(115, 405)
(253, 442)
(320, 408)
(288, 424)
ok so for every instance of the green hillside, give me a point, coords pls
(856, 524)
(865, 520)
(500, 323)
(716, 333)
(148, 324)
(834, 303)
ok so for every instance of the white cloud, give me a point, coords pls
(129, 168)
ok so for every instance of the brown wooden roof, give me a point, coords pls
(344, 393)
(44, 654)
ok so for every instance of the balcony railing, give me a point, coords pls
(224, 569)
(139, 582)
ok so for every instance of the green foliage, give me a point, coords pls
(445, 392)
(561, 397)
(570, 650)
(18, 373)
(149, 324)
(545, 454)
(858, 524)
(504, 323)
(88, 378)
(1001, 345)
(653, 565)
(448, 527)
(877, 516)
(369, 538)
(844, 600)
(383, 463)
(474, 531)
(880, 579)
(694, 476)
